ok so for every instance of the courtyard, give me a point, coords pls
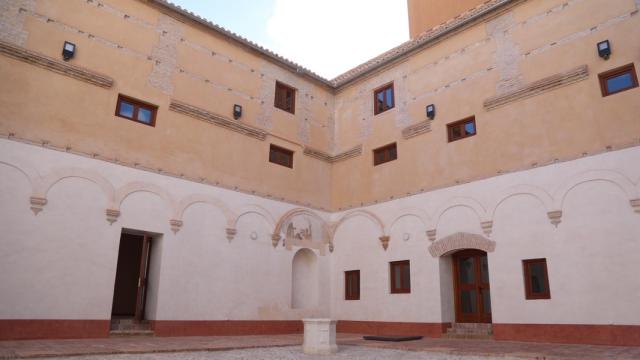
(351, 346)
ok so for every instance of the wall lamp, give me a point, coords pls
(604, 49)
(237, 111)
(68, 50)
(431, 111)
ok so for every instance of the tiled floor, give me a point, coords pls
(37, 348)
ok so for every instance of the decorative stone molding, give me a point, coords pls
(459, 241)
(487, 227)
(537, 87)
(112, 215)
(635, 204)
(431, 234)
(384, 240)
(331, 247)
(416, 129)
(175, 225)
(321, 155)
(555, 217)
(275, 239)
(231, 233)
(37, 204)
(58, 66)
(218, 120)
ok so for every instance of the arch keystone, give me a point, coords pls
(459, 241)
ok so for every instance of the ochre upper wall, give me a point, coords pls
(425, 14)
(528, 72)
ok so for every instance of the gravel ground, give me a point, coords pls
(286, 353)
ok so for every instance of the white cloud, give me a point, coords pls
(332, 36)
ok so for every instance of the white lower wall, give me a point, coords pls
(61, 263)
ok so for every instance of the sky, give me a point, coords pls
(327, 37)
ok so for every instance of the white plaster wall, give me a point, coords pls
(591, 255)
(61, 263)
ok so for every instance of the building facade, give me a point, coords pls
(165, 169)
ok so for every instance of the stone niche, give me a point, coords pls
(319, 337)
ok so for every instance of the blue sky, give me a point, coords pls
(326, 36)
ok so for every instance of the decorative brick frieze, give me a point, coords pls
(487, 227)
(555, 217)
(460, 241)
(231, 233)
(218, 120)
(176, 225)
(384, 241)
(165, 54)
(507, 55)
(537, 87)
(112, 215)
(275, 239)
(12, 17)
(58, 66)
(416, 129)
(37, 204)
(321, 155)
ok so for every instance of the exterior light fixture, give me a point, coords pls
(68, 50)
(431, 111)
(604, 49)
(237, 111)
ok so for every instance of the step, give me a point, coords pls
(467, 336)
(130, 333)
(469, 331)
(129, 324)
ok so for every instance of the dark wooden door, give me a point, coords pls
(471, 284)
(142, 278)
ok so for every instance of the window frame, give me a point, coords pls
(461, 123)
(350, 295)
(382, 89)
(387, 154)
(280, 87)
(137, 104)
(605, 76)
(529, 295)
(281, 150)
(403, 288)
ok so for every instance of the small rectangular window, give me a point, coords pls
(536, 281)
(618, 80)
(461, 129)
(383, 99)
(352, 285)
(285, 97)
(400, 274)
(136, 110)
(281, 156)
(385, 154)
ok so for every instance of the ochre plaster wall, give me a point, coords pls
(425, 14)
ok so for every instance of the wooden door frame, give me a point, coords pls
(143, 275)
(479, 317)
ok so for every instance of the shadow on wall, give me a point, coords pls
(304, 280)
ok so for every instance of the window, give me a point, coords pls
(383, 99)
(536, 281)
(285, 97)
(400, 277)
(385, 154)
(461, 129)
(352, 285)
(281, 156)
(618, 80)
(136, 110)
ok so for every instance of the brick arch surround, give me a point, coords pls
(459, 241)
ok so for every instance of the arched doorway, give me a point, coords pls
(471, 286)
(304, 280)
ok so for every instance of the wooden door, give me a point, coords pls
(471, 284)
(142, 278)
